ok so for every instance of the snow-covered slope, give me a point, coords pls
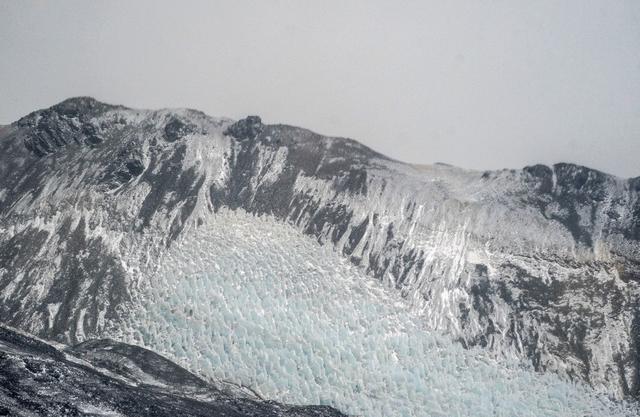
(539, 265)
(300, 324)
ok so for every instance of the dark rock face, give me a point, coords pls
(633, 230)
(65, 123)
(247, 128)
(122, 171)
(176, 129)
(545, 260)
(81, 256)
(308, 154)
(574, 186)
(37, 379)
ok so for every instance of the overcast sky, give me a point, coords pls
(478, 84)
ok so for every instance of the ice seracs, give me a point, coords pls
(297, 323)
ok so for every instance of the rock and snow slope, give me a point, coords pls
(104, 378)
(540, 265)
(301, 325)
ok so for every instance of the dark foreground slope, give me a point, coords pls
(105, 378)
(541, 264)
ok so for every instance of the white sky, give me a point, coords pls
(478, 84)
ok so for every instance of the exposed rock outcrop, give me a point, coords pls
(541, 263)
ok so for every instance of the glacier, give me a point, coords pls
(117, 222)
(248, 300)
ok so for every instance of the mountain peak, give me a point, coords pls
(65, 122)
(82, 108)
(247, 128)
(82, 105)
(126, 206)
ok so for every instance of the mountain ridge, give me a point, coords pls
(102, 377)
(541, 263)
(79, 103)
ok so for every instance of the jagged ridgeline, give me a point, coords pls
(540, 264)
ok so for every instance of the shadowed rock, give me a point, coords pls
(247, 128)
(106, 378)
(176, 129)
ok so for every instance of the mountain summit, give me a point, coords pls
(540, 265)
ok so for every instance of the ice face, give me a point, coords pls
(251, 301)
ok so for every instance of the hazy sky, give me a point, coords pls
(478, 84)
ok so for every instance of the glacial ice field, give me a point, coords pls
(252, 301)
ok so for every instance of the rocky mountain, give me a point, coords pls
(539, 265)
(104, 378)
